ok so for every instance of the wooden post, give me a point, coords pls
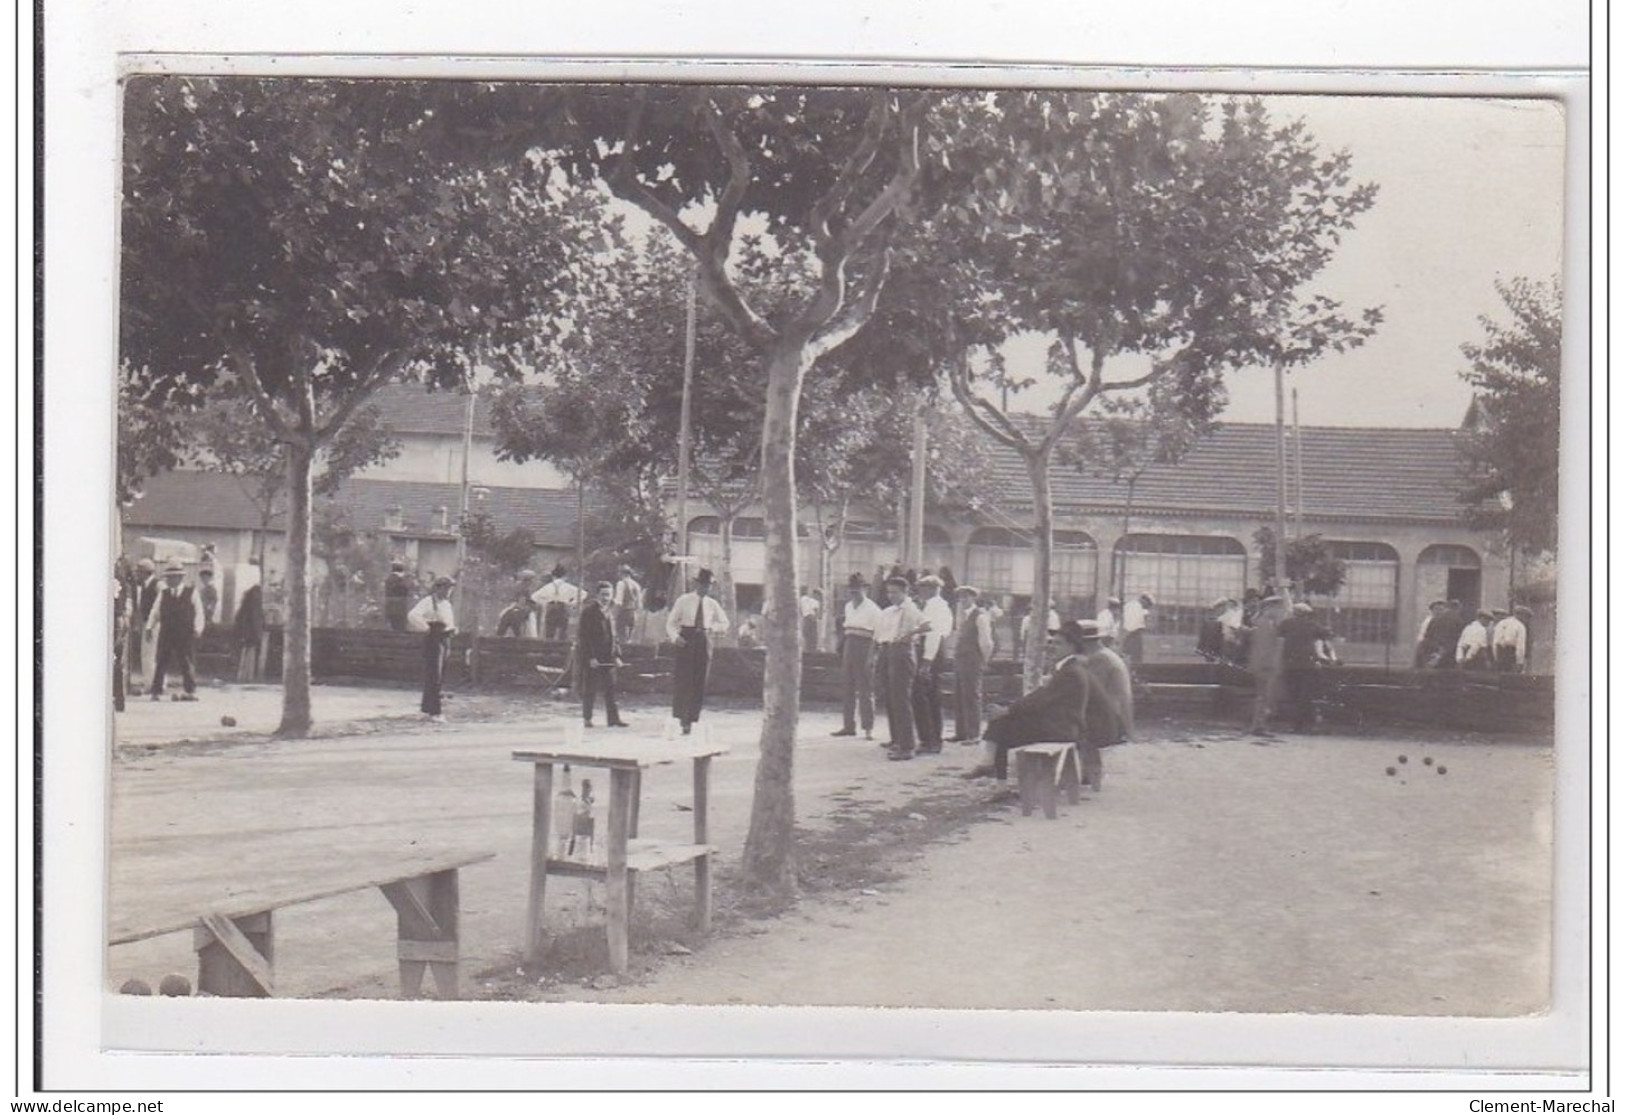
(234, 955)
(426, 911)
(702, 831)
(540, 836)
(620, 817)
(632, 832)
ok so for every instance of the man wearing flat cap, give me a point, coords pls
(856, 641)
(693, 619)
(972, 650)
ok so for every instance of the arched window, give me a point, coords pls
(1000, 560)
(705, 524)
(1184, 573)
(1366, 607)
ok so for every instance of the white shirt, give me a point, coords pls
(628, 593)
(430, 610)
(1106, 620)
(861, 617)
(939, 623)
(688, 612)
(1053, 628)
(1473, 638)
(810, 606)
(1510, 632)
(1230, 618)
(1133, 617)
(557, 592)
(898, 622)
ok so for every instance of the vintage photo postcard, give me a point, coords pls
(1044, 549)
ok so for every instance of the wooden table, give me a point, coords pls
(626, 760)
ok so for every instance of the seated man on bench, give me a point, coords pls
(1086, 701)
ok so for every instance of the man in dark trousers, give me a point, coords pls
(693, 619)
(397, 596)
(249, 627)
(900, 621)
(938, 617)
(971, 654)
(434, 619)
(856, 643)
(1301, 635)
(599, 655)
(178, 620)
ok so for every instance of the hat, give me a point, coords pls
(527, 574)
(558, 570)
(145, 565)
(1078, 631)
(1522, 610)
(1148, 598)
(1482, 614)
(206, 571)
(930, 580)
(174, 569)
(1272, 598)
(1302, 609)
(1110, 600)
(856, 581)
(704, 577)
(443, 581)
(967, 590)
(897, 579)
(397, 566)
(602, 585)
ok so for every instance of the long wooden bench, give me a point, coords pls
(235, 943)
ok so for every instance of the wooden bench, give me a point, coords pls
(235, 943)
(1041, 769)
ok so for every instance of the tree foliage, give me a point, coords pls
(1311, 566)
(1510, 455)
(314, 239)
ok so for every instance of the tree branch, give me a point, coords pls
(858, 313)
(981, 411)
(243, 364)
(383, 369)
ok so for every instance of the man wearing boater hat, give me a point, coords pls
(177, 620)
(857, 648)
(694, 618)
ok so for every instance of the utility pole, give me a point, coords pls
(1297, 452)
(1279, 572)
(460, 603)
(916, 504)
(683, 429)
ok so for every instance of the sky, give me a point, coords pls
(1470, 190)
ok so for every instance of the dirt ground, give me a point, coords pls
(1212, 873)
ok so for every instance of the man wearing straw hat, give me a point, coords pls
(434, 618)
(177, 619)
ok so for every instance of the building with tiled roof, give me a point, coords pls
(1385, 499)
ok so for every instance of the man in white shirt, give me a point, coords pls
(899, 622)
(433, 617)
(1136, 613)
(856, 643)
(812, 603)
(938, 618)
(1473, 648)
(1108, 620)
(1507, 643)
(694, 618)
(176, 621)
(628, 599)
(557, 599)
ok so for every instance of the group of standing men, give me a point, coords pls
(1491, 640)
(902, 649)
(158, 618)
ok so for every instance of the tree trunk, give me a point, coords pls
(296, 719)
(729, 589)
(1032, 673)
(769, 862)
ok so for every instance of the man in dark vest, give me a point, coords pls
(599, 656)
(177, 619)
(397, 596)
(693, 619)
(972, 650)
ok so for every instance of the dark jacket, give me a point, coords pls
(250, 620)
(1056, 711)
(595, 637)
